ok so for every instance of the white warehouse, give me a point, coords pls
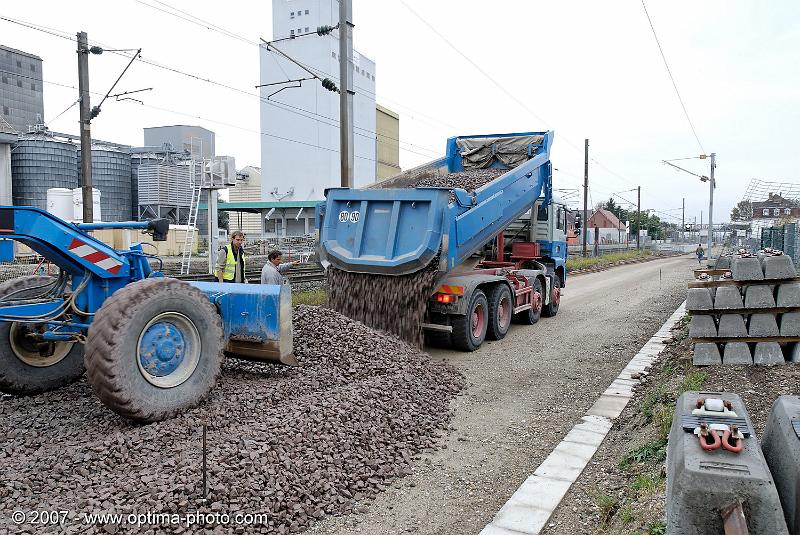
(300, 125)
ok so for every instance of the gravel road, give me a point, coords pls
(524, 393)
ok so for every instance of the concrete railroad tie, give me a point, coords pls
(768, 354)
(759, 296)
(788, 295)
(781, 447)
(700, 299)
(732, 325)
(747, 269)
(763, 325)
(790, 324)
(778, 267)
(702, 482)
(736, 353)
(706, 354)
(702, 327)
(727, 297)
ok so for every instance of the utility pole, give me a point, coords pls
(711, 205)
(638, 216)
(683, 219)
(585, 193)
(85, 119)
(346, 91)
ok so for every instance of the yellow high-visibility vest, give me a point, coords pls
(230, 264)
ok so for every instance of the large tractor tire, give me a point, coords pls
(551, 308)
(28, 366)
(501, 308)
(154, 349)
(532, 315)
(469, 330)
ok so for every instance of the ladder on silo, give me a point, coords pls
(196, 181)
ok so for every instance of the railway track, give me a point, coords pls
(295, 276)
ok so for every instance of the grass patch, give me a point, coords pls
(655, 452)
(651, 399)
(646, 484)
(656, 528)
(662, 418)
(694, 380)
(311, 297)
(626, 515)
(606, 505)
(580, 262)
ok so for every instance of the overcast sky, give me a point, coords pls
(584, 69)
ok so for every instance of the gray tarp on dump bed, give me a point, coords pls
(477, 154)
(480, 153)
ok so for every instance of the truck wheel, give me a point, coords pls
(501, 308)
(469, 330)
(551, 309)
(28, 366)
(154, 349)
(532, 315)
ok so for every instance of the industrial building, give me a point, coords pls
(21, 96)
(387, 125)
(300, 125)
(196, 141)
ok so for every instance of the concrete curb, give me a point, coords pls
(531, 506)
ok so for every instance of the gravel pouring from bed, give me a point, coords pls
(296, 443)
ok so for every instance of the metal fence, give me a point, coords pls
(784, 238)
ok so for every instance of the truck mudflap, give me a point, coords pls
(389, 232)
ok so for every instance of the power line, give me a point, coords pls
(508, 93)
(63, 112)
(299, 111)
(674, 85)
(471, 62)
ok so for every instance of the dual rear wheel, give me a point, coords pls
(489, 315)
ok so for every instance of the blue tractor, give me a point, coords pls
(151, 345)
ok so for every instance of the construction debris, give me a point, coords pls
(296, 444)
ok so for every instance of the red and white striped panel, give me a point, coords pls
(92, 255)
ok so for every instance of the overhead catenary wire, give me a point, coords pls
(672, 78)
(228, 33)
(201, 78)
(63, 112)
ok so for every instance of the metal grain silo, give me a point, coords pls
(111, 174)
(38, 163)
(136, 161)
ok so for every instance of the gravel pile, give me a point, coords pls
(393, 304)
(468, 180)
(295, 443)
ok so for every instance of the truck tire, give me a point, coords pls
(532, 315)
(501, 308)
(551, 308)
(25, 366)
(154, 349)
(440, 339)
(469, 330)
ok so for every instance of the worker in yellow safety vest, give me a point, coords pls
(230, 260)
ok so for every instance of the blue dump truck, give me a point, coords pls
(498, 252)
